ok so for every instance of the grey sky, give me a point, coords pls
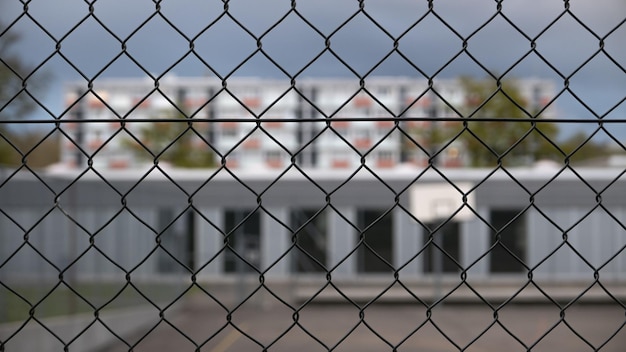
(566, 45)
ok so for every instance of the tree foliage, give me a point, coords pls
(491, 136)
(16, 83)
(16, 79)
(502, 141)
(178, 143)
(31, 146)
(579, 147)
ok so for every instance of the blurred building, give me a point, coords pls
(545, 222)
(288, 125)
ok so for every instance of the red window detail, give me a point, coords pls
(385, 163)
(274, 163)
(273, 124)
(455, 162)
(422, 162)
(424, 101)
(141, 103)
(340, 124)
(362, 102)
(194, 103)
(95, 103)
(252, 143)
(95, 143)
(228, 125)
(448, 123)
(384, 124)
(118, 164)
(251, 102)
(340, 164)
(362, 143)
(413, 124)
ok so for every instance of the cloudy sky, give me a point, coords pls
(293, 43)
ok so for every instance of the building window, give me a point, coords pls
(251, 143)
(229, 133)
(536, 99)
(341, 127)
(177, 238)
(362, 138)
(95, 141)
(362, 102)
(340, 159)
(362, 133)
(375, 251)
(512, 241)
(251, 102)
(385, 158)
(310, 252)
(383, 90)
(274, 158)
(242, 229)
(383, 126)
(232, 160)
(441, 253)
(339, 163)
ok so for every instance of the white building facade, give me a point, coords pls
(248, 132)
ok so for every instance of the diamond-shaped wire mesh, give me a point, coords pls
(337, 176)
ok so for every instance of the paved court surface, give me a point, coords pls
(384, 327)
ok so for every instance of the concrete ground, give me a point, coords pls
(203, 326)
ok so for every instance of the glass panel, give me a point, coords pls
(375, 254)
(244, 238)
(176, 241)
(447, 238)
(310, 252)
(512, 237)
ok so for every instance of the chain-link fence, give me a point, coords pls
(324, 176)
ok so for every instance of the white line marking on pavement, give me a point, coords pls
(229, 339)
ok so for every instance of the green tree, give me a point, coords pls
(511, 142)
(178, 143)
(483, 143)
(580, 148)
(41, 152)
(15, 102)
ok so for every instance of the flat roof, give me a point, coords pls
(402, 172)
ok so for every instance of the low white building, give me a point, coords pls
(540, 222)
